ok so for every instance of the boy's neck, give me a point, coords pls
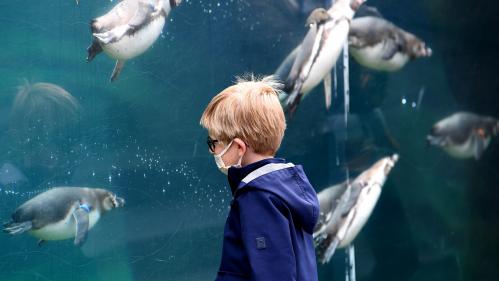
(251, 157)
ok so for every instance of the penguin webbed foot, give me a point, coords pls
(329, 251)
(117, 70)
(326, 246)
(82, 223)
(15, 228)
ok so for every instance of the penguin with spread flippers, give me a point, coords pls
(62, 213)
(378, 44)
(346, 207)
(319, 51)
(464, 134)
(129, 29)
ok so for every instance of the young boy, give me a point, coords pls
(268, 233)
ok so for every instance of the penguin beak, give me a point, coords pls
(433, 140)
(429, 52)
(120, 202)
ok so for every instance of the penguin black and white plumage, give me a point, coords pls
(464, 134)
(378, 44)
(62, 213)
(128, 30)
(319, 51)
(345, 208)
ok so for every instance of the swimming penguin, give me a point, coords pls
(464, 134)
(378, 44)
(319, 51)
(128, 30)
(345, 208)
(62, 213)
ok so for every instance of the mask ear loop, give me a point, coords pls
(225, 149)
(241, 158)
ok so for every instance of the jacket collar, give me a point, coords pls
(236, 175)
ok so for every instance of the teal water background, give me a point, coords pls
(437, 218)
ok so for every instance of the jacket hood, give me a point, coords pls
(285, 180)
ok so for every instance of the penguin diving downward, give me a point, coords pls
(464, 134)
(128, 30)
(378, 44)
(62, 213)
(345, 208)
(319, 51)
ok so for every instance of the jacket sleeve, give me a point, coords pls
(266, 236)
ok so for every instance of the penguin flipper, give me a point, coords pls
(355, 189)
(327, 90)
(117, 69)
(478, 146)
(391, 47)
(144, 12)
(93, 50)
(113, 35)
(15, 228)
(303, 54)
(82, 223)
(284, 69)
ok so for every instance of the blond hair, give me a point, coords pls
(249, 110)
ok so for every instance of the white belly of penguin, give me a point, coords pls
(328, 55)
(372, 57)
(131, 46)
(465, 150)
(64, 229)
(366, 203)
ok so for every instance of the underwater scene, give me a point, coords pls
(392, 108)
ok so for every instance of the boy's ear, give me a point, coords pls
(241, 146)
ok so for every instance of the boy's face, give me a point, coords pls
(232, 155)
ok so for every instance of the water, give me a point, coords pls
(139, 137)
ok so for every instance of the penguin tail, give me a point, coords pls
(292, 105)
(15, 228)
(292, 101)
(93, 50)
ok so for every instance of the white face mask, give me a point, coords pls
(220, 162)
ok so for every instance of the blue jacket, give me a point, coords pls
(268, 233)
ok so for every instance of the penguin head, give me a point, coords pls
(111, 201)
(417, 48)
(355, 4)
(377, 174)
(487, 127)
(386, 164)
(318, 16)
